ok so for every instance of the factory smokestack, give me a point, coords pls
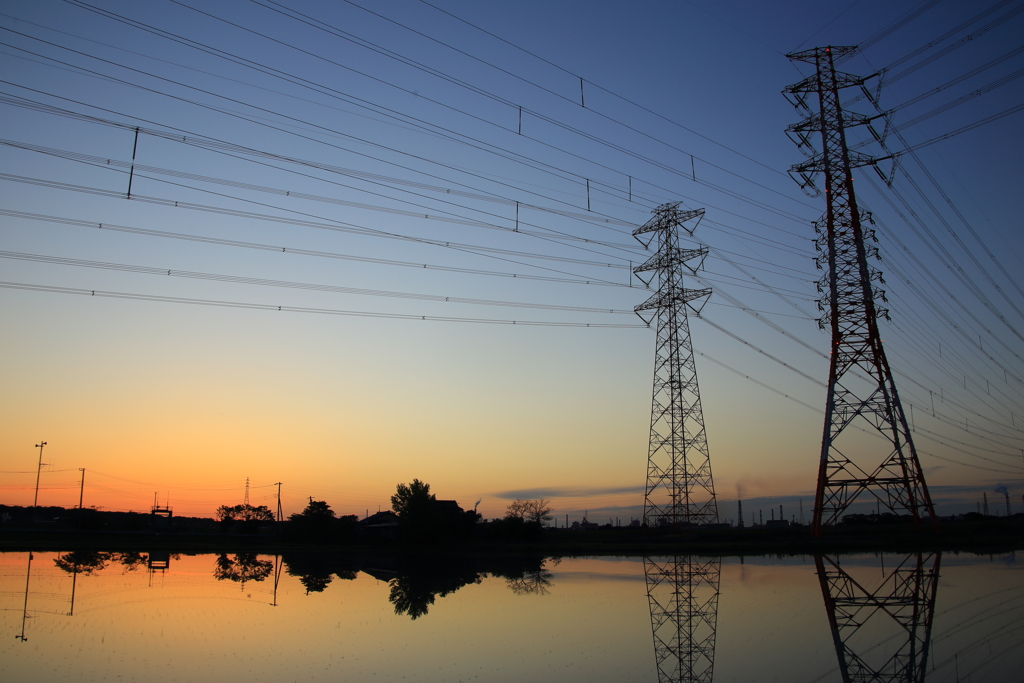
(739, 511)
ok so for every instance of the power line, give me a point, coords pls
(148, 270)
(298, 309)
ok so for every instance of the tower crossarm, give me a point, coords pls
(813, 122)
(820, 162)
(673, 256)
(812, 55)
(809, 84)
(666, 218)
(662, 300)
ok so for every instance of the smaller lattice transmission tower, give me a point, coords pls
(680, 491)
(861, 391)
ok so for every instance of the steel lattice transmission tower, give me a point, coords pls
(680, 491)
(860, 386)
(682, 593)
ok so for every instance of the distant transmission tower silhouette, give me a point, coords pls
(679, 490)
(860, 386)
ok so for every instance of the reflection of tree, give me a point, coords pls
(682, 593)
(316, 571)
(413, 593)
(131, 560)
(244, 567)
(83, 561)
(532, 581)
(92, 561)
(315, 584)
(905, 597)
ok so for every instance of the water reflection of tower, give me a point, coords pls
(683, 596)
(904, 598)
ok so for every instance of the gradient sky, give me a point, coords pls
(353, 145)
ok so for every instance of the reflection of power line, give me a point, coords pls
(683, 597)
(906, 595)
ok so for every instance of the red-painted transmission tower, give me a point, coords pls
(861, 390)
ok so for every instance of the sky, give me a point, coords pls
(363, 243)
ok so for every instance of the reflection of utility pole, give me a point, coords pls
(277, 577)
(74, 582)
(24, 609)
(39, 471)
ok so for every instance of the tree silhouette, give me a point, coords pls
(318, 522)
(537, 510)
(248, 516)
(422, 517)
(412, 500)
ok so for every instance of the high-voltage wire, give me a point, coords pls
(262, 68)
(217, 145)
(336, 226)
(308, 252)
(548, 234)
(296, 309)
(325, 226)
(886, 31)
(380, 50)
(966, 40)
(264, 282)
(621, 98)
(222, 147)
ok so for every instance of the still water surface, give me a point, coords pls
(226, 618)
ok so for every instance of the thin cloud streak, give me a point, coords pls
(567, 492)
